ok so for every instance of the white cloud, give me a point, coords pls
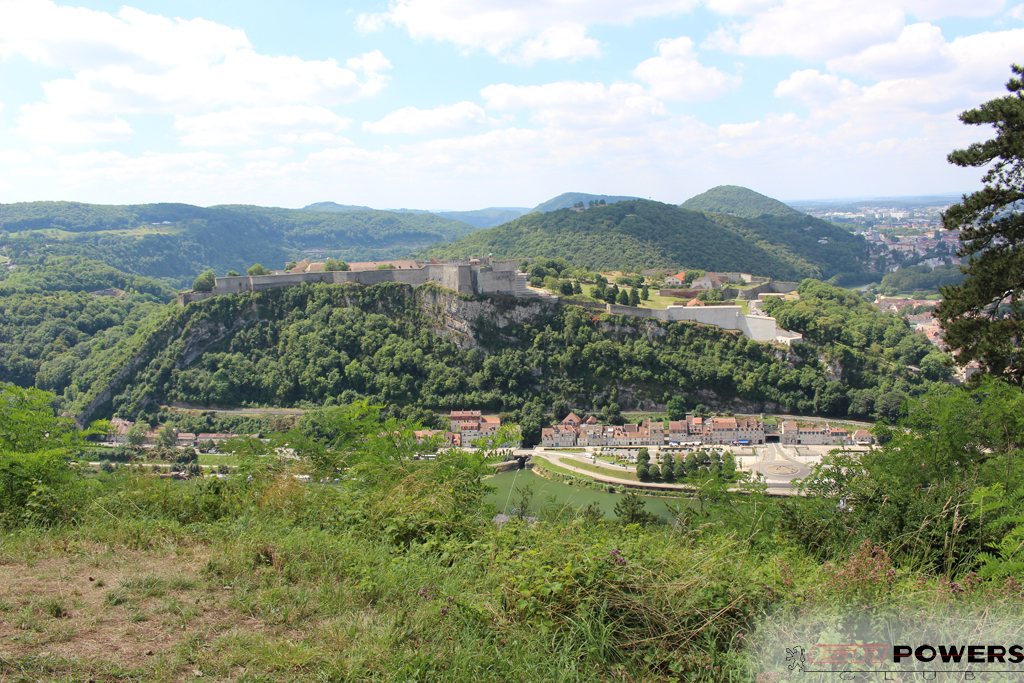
(561, 41)
(47, 122)
(678, 75)
(812, 29)
(417, 121)
(813, 88)
(1016, 12)
(745, 7)
(577, 105)
(87, 39)
(520, 30)
(271, 153)
(919, 50)
(929, 10)
(136, 63)
(241, 125)
(190, 169)
(15, 157)
(370, 22)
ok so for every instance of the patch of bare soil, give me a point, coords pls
(115, 608)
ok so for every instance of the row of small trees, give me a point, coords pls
(698, 465)
(615, 295)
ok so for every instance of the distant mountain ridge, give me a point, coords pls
(176, 242)
(738, 201)
(332, 206)
(567, 200)
(479, 218)
(646, 234)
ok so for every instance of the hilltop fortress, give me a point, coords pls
(465, 276)
(486, 276)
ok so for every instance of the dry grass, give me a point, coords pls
(92, 609)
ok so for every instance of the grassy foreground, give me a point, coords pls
(274, 580)
(396, 571)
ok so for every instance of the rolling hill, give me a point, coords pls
(566, 200)
(479, 218)
(176, 242)
(646, 234)
(738, 201)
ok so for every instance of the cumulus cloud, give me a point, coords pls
(136, 62)
(15, 157)
(410, 120)
(920, 49)
(929, 10)
(812, 29)
(242, 125)
(578, 105)
(519, 30)
(813, 88)
(677, 74)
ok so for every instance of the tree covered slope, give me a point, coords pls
(430, 349)
(569, 199)
(644, 234)
(738, 201)
(219, 237)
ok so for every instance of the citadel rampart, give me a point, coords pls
(498, 277)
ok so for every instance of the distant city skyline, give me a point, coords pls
(441, 105)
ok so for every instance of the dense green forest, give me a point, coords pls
(921, 278)
(387, 343)
(479, 218)
(639, 234)
(50, 322)
(866, 344)
(220, 238)
(739, 201)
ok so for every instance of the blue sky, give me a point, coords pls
(448, 104)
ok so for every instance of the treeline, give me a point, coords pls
(327, 344)
(50, 322)
(639, 234)
(921, 278)
(877, 354)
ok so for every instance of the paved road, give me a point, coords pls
(778, 468)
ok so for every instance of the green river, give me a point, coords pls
(545, 491)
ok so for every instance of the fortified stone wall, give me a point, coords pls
(467, 279)
(498, 281)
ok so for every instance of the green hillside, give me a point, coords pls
(644, 234)
(738, 201)
(176, 242)
(568, 199)
(387, 343)
(485, 218)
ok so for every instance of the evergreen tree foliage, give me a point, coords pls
(983, 317)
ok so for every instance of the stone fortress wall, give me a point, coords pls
(496, 277)
(492, 277)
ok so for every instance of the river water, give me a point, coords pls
(546, 492)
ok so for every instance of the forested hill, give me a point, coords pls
(568, 199)
(644, 234)
(387, 343)
(738, 201)
(187, 240)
